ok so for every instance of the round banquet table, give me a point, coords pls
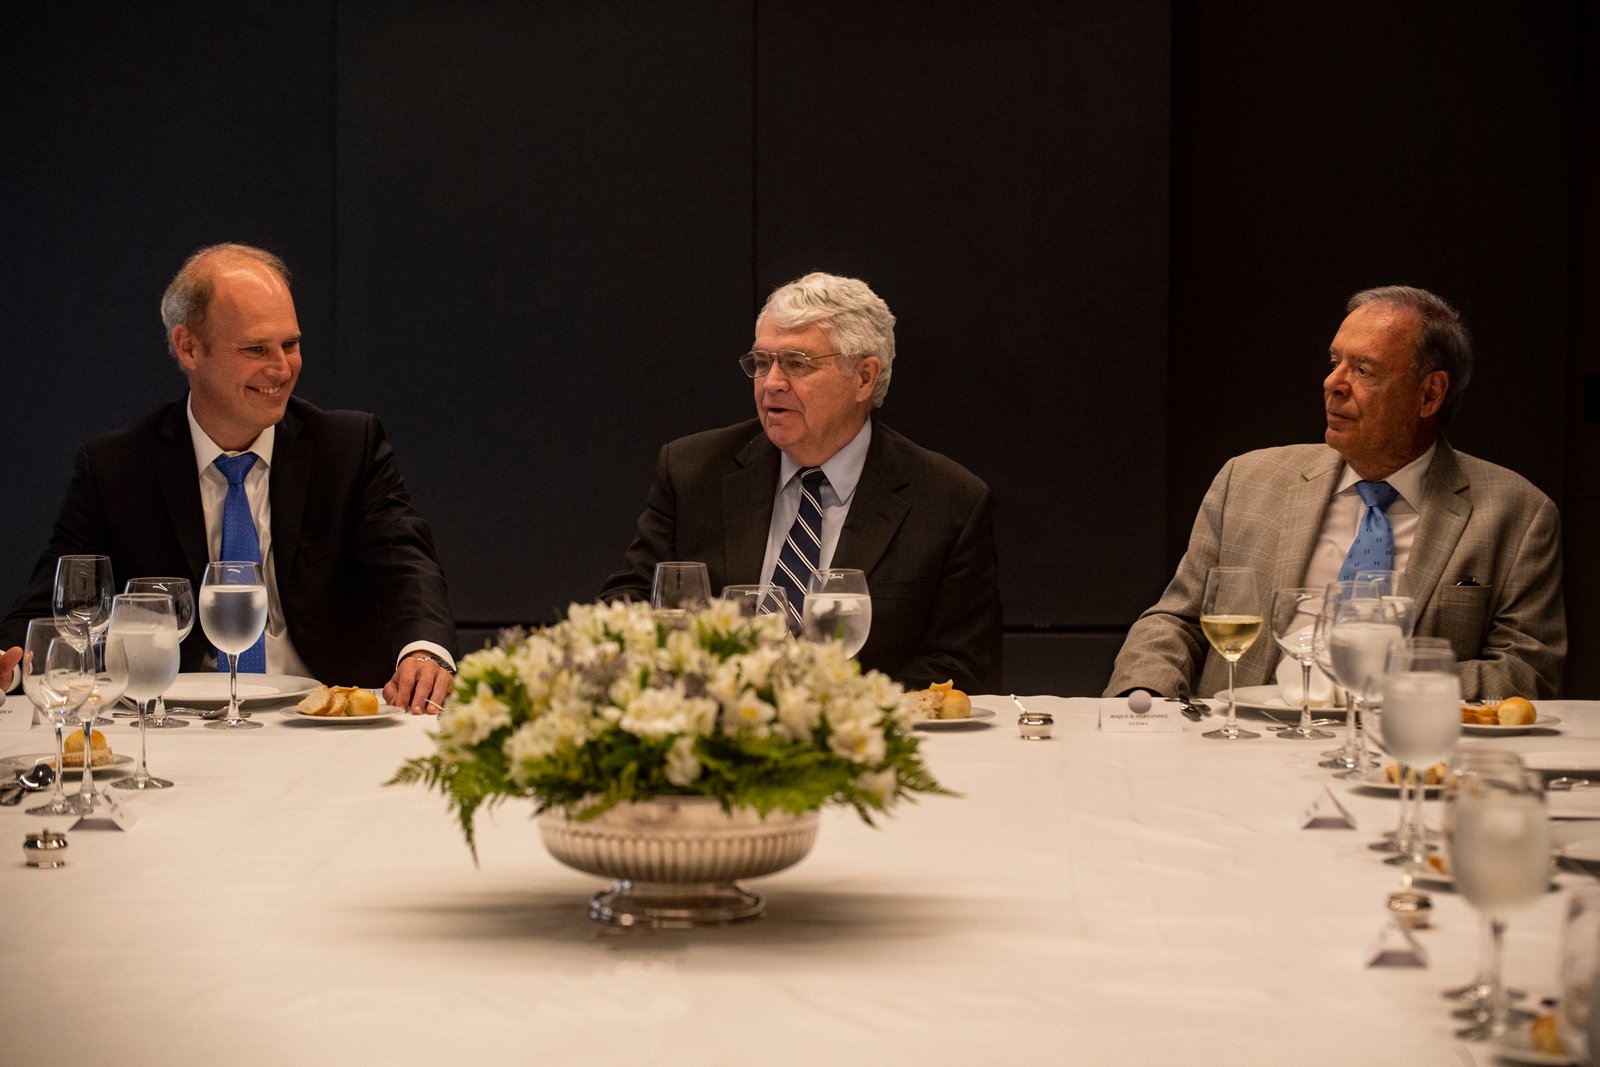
(1097, 898)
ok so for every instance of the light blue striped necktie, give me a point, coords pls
(242, 544)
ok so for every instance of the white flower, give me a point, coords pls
(472, 721)
(748, 714)
(661, 713)
(798, 711)
(880, 784)
(683, 766)
(857, 741)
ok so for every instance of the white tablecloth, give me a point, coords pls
(1092, 899)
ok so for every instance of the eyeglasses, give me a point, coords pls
(758, 364)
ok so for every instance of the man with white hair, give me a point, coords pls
(813, 482)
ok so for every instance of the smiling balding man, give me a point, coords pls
(1480, 546)
(356, 595)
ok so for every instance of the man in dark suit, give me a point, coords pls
(745, 501)
(356, 594)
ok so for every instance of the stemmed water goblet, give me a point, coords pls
(754, 601)
(838, 606)
(233, 614)
(1420, 725)
(182, 594)
(144, 632)
(1230, 617)
(679, 588)
(1360, 630)
(1294, 624)
(1497, 841)
(54, 676)
(1394, 589)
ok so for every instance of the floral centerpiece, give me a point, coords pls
(613, 706)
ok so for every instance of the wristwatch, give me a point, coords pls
(425, 654)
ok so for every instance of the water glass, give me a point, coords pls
(680, 587)
(838, 607)
(144, 633)
(182, 593)
(233, 613)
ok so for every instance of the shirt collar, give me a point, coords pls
(206, 450)
(843, 468)
(1407, 481)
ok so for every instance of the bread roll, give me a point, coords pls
(99, 748)
(361, 702)
(1515, 711)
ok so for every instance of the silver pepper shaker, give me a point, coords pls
(1036, 725)
(47, 849)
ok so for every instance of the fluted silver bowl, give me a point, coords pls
(675, 859)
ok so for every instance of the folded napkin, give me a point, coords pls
(1574, 803)
(1322, 687)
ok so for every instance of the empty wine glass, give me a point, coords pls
(1497, 841)
(80, 599)
(679, 588)
(1394, 589)
(54, 676)
(1294, 626)
(233, 613)
(838, 606)
(757, 600)
(1230, 617)
(106, 688)
(145, 633)
(182, 594)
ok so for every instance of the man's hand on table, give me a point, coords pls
(8, 668)
(419, 685)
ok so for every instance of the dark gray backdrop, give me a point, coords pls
(534, 236)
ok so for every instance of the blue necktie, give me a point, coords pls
(240, 543)
(797, 562)
(1373, 548)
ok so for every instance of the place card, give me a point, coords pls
(1326, 813)
(111, 814)
(1396, 946)
(1117, 717)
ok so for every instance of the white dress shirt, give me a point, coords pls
(843, 470)
(1343, 518)
(282, 658)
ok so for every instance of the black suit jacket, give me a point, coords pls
(356, 569)
(920, 525)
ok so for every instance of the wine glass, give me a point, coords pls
(53, 676)
(109, 682)
(1420, 725)
(679, 588)
(81, 596)
(1497, 840)
(1360, 631)
(233, 613)
(838, 606)
(1394, 589)
(1230, 617)
(182, 594)
(757, 600)
(1580, 959)
(144, 628)
(1294, 625)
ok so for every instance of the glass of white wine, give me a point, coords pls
(1497, 842)
(233, 613)
(1230, 617)
(838, 606)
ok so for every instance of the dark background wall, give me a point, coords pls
(1117, 235)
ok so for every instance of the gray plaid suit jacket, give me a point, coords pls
(1478, 521)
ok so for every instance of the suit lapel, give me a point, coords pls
(747, 494)
(289, 482)
(173, 457)
(1445, 509)
(877, 510)
(1301, 519)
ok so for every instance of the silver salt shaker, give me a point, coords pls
(1036, 725)
(45, 850)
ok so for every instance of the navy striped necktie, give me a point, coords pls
(802, 549)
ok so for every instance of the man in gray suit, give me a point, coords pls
(814, 481)
(1480, 546)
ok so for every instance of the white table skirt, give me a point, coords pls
(1093, 899)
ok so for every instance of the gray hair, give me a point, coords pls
(859, 320)
(188, 295)
(1442, 341)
